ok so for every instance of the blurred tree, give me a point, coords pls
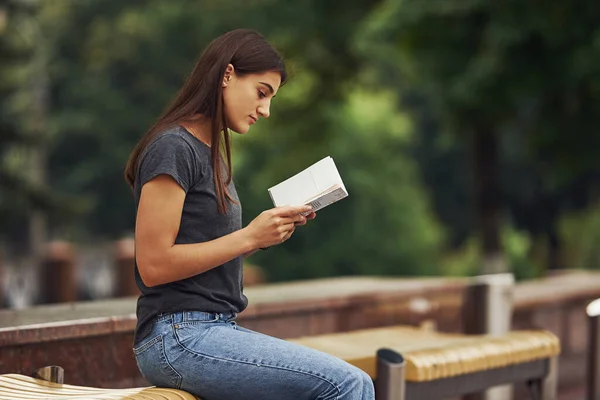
(491, 68)
(385, 226)
(25, 196)
(115, 65)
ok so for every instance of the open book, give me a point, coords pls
(318, 185)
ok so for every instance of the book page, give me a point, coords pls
(294, 191)
(314, 184)
(325, 174)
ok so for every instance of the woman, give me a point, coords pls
(190, 243)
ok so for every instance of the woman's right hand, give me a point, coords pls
(276, 225)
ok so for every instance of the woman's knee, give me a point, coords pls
(357, 385)
(368, 387)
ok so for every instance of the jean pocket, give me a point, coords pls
(154, 365)
(190, 334)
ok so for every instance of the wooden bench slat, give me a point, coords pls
(15, 386)
(27, 381)
(22, 383)
(434, 355)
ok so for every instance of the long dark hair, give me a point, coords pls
(248, 52)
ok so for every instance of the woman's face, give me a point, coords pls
(248, 98)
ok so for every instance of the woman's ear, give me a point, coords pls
(229, 73)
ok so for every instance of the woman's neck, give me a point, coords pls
(199, 127)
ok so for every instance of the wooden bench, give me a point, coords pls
(407, 363)
(15, 386)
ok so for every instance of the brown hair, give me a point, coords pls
(202, 93)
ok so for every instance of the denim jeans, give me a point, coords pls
(210, 356)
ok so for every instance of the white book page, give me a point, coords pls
(294, 190)
(325, 174)
(306, 185)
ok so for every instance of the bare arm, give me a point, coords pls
(161, 261)
(249, 253)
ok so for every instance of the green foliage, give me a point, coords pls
(488, 68)
(113, 66)
(526, 68)
(533, 66)
(517, 249)
(385, 225)
(580, 232)
(26, 46)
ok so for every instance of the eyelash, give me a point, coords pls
(261, 95)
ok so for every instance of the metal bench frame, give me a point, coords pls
(540, 375)
(593, 354)
(51, 373)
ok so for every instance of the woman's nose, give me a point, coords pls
(264, 111)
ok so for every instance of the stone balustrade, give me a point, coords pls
(92, 340)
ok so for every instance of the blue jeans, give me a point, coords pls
(210, 356)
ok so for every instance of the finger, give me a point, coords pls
(284, 231)
(289, 211)
(292, 220)
(287, 225)
(300, 221)
(312, 215)
(287, 236)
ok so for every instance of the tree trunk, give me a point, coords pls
(547, 211)
(554, 251)
(488, 196)
(39, 90)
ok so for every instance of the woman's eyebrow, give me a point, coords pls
(268, 86)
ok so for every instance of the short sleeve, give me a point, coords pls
(170, 155)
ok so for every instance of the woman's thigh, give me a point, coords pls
(225, 361)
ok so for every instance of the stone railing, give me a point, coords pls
(92, 340)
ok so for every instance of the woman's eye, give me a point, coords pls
(261, 94)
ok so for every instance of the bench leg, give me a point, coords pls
(549, 386)
(52, 373)
(593, 353)
(390, 383)
(546, 387)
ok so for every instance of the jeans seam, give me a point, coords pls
(164, 317)
(139, 350)
(196, 322)
(160, 342)
(184, 348)
(164, 354)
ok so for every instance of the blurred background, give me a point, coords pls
(466, 132)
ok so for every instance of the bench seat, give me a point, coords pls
(431, 355)
(17, 387)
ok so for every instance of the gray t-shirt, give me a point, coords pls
(177, 153)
